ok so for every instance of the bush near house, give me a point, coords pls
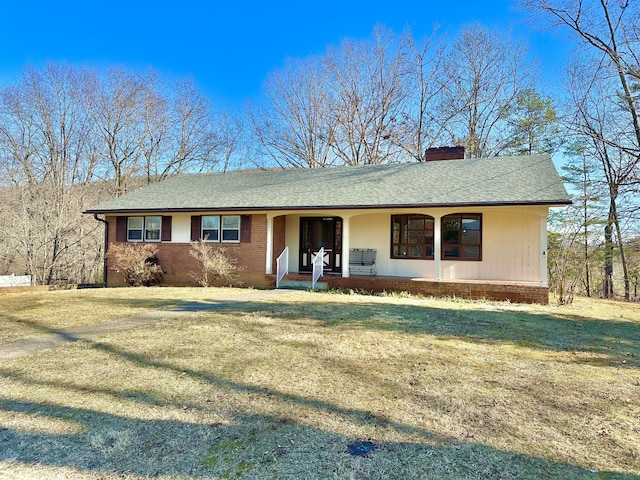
(137, 262)
(215, 265)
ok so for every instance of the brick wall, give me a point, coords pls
(516, 293)
(475, 291)
(444, 153)
(177, 264)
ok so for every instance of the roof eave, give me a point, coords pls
(549, 203)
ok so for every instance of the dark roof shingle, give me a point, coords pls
(520, 180)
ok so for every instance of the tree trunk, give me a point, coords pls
(623, 259)
(608, 258)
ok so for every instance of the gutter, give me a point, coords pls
(105, 270)
(550, 203)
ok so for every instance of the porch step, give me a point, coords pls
(300, 285)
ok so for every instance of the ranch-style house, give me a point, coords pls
(472, 228)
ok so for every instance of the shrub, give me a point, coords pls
(138, 263)
(215, 265)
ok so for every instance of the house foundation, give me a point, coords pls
(517, 292)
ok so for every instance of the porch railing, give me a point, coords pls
(282, 266)
(318, 267)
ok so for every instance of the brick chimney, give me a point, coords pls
(444, 153)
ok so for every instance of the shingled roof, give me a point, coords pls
(518, 180)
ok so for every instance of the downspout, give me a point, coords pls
(105, 270)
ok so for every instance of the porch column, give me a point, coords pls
(269, 256)
(437, 247)
(544, 282)
(346, 242)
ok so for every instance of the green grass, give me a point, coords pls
(279, 389)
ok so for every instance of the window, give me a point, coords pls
(462, 237)
(231, 229)
(134, 229)
(152, 229)
(211, 229)
(224, 228)
(146, 229)
(412, 236)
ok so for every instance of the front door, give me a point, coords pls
(321, 232)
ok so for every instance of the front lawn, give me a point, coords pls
(286, 388)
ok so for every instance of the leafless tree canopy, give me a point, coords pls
(70, 138)
(391, 97)
(485, 72)
(602, 108)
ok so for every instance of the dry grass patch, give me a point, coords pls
(26, 314)
(266, 389)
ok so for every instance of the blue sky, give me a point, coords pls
(229, 47)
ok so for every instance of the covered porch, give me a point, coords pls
(340, 232)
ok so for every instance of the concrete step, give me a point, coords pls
(301, 285)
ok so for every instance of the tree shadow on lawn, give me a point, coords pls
(616, 343)
(613, 342)
(250, 445)
(253, 446)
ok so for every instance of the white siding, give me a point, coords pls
(510, 248)
(181, 228)
(374, 231)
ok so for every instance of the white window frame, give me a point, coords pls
(140, 229)
(144, 229)
(207, 237)
(221, 228)
(147, 220)
(234, 229)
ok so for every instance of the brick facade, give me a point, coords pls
(177, 264)
(477, 290)
(470, 290)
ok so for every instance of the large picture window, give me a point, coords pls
(412, 236)
(225, 228)
(462, 237)
(145, 229)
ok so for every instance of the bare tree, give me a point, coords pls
(605, 108)
(192, 142)
(484, 72)
(608, 32)
(295, 127)
(588, 211)
(421, 124)
(595, 119)
(65, 134)
(367, 90)
(387, 99)
(148, 127)
(230, 140)
(115, 105)
(46, 144)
